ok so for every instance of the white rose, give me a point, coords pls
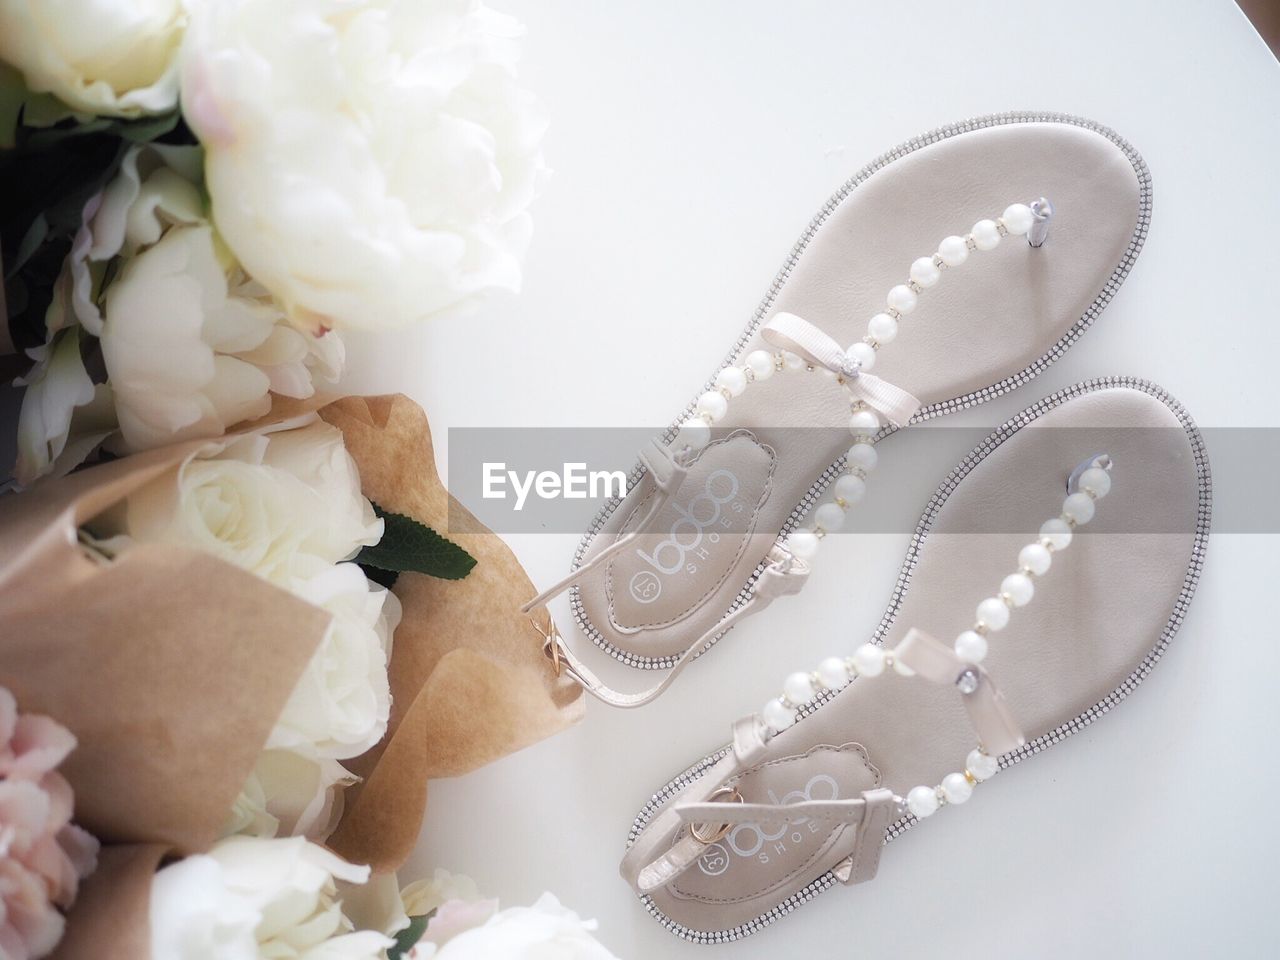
(341, 703)
(282, 505)
(369, 162)
(546, 929)
(249, 898)
(291, 793)
(343, 519)
(111, 57)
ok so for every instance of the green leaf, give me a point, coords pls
(409, 545)
(407, 938)
(13, 94)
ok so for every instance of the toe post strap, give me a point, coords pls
(929, 658)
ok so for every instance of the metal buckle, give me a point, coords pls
(730, 795)
(552, 644)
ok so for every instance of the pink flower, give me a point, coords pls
(43, 856)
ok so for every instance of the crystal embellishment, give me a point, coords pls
(850, 368)
(967, 681)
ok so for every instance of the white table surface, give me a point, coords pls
(691, 143)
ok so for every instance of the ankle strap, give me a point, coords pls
(667, 473)
(785, 574)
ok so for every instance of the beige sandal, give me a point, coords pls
(710, 531)
(812, 787)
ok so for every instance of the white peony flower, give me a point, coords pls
(169, 339)
(56, 385)
(283, 505)
(291, 793)
(249, 898)
(421, 897)
(546, 929)
(110, 57)
(341, 704)
(369, 161)
(190, 345)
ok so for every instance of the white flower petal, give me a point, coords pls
(111, 58)
(55, 387)
(369, 165)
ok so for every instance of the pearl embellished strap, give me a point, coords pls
(920, 654)
(872, 399)
(786, 331)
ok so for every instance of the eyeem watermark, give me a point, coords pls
(573, 482)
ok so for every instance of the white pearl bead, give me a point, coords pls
(956, 788)
(980, 765)
(792, 362)
(1017, 218)
(803, 543)
(986, 235)
(1035, 558)
(694, 434)
(798, 688)
(864, 423)
(883, 328)
(777, 716)
(833, 674)
(829, 517)
(849, 488)
(1079, 507)
(993, 612)
(733, 380)
(1058, 532)
(953, 251)
(868, 660)
(714, 405)
(902, 298)
(863, 354)
(1019, 588)
(922, 802)
(761, 364)
(1097, 480)
(971, 647)
(862, 455)
(925, 272)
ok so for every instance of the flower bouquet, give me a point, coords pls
(242, 623)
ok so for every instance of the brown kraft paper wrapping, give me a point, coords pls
(469, 681)
(168, 665)
(171, 668)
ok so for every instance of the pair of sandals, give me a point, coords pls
(992, 648)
